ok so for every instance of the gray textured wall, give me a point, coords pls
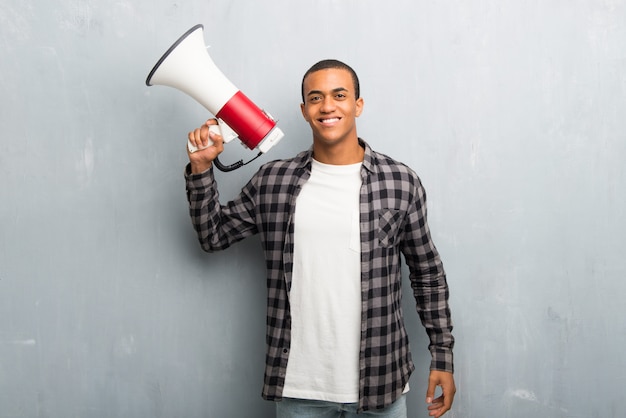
(512, 112)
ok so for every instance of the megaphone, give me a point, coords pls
(187, 66)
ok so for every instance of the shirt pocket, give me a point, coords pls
(389, 221)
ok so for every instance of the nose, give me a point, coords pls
(328, 105)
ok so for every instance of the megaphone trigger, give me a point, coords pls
(228, 134)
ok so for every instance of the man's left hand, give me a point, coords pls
(441, 405)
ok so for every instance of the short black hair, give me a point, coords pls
(336, 64)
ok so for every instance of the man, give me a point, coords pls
(334, 221)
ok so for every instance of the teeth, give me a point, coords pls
(333, 120)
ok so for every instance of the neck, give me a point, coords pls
(339, 154)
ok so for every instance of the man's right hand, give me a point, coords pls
(201, 138)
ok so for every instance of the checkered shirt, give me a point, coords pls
(393, 222)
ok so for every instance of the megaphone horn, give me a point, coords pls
(187, 66)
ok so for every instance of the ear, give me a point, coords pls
(303, 112)
(359, 106)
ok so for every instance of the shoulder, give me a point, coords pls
(389, 168)
(394, 182)
(277, 170)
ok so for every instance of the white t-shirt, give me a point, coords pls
(325, 295)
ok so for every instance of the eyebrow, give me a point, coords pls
(337, 90)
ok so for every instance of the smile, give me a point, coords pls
(328, 121)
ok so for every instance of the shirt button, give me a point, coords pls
(285, 350)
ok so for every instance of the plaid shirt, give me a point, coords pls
(393, 222)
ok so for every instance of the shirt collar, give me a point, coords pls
(369, 160)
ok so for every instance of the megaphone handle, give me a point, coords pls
(212, 128)
(218, 164)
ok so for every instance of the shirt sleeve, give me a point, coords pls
(428, 281)
(219, 226)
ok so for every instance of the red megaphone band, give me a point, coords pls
(246, 119)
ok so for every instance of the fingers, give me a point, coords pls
(430, 393)
(441, 405)
(205, 136)
(438, 407)
(199, 137)
(204, 145)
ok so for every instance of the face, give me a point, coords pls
(330, 106)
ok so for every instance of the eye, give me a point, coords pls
(314, 99)
(340, 96)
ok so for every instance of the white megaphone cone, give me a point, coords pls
(188, 67)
